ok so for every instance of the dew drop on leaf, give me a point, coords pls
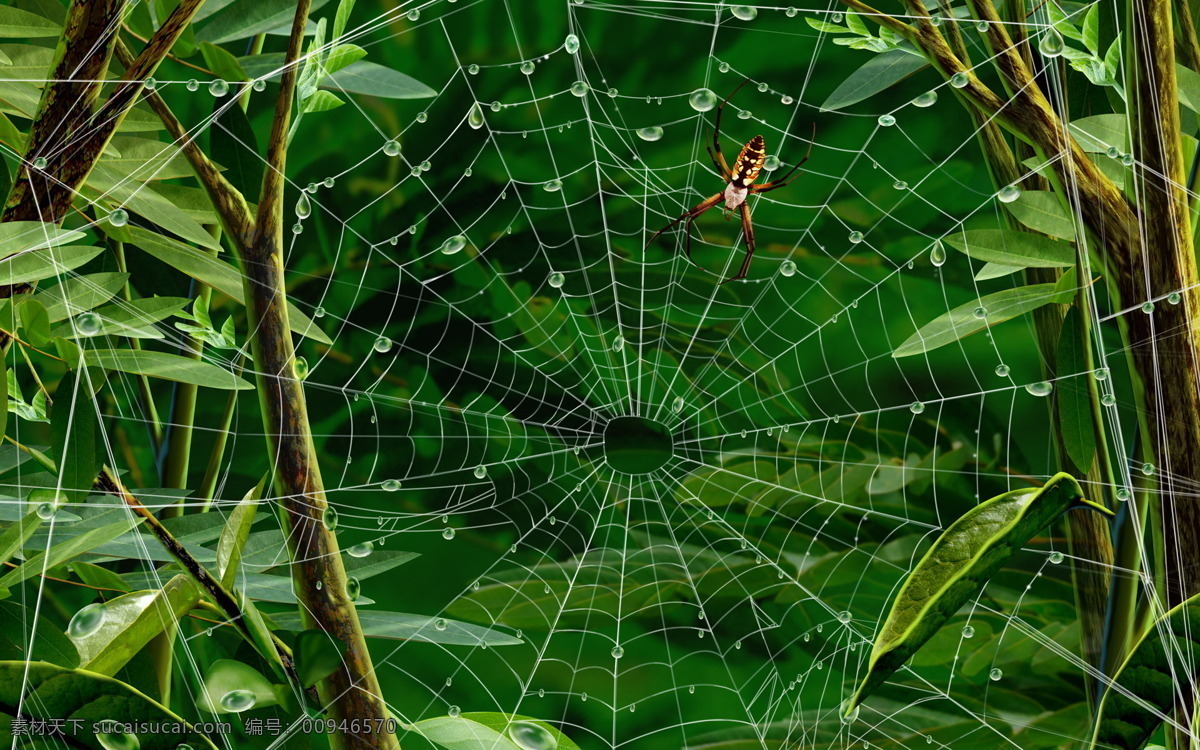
(237, 701)
(529, 736)
(89, 324)
(118, 741)
(87, 620)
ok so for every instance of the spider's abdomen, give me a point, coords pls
(749, 163)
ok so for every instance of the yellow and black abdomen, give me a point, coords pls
(749, 163)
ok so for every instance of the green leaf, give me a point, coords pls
(1157, 675)
(995, 271)
(341, 18)
(362, 77)
(472, 731)
(35, 322)
(46, 691)
(225, 676)
(322, 101)
(131, 621)
(223, 63)
(1074, 399)
(233, 536)
(962, 321)
(826, 27)
(65, 550)
(78, 293)
(855, 23)
(1098, 133)
(420, 628)
(134, 319)
(14, 537)
(17, 23)
(145, 159)
(1013, 248)
(166, 366)
(216, 273)
(879, 73)
(75, 431)
(1064, 24)
(18, 237)
(958, 566)
(246, 18)
(317, 654)
(1041, 211)
(44, 264)
(1091, 29)
(233, 138)
(49, 643)
(1188, 84)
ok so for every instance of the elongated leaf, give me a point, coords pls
(215, 272)
(15, 536)
(44, 264)
(1157, 676)
(49, 643)
(317, 654)
(1074, 399)
(472, 731)
(226, 675)
(70, 547)
(362, 77)
(166, 366)
(232, 137)
(75, 430)
(25, 236)
(963, 321)
(958, 566)
(131, 621)
(1012, 248)
(995, 271)
(1040, 211)
(1099, 133)
(246, 18)
(134, 319)
(405, 627)
(879, 73)
(80, 293)
(15, 22)
(46, 691)
(233, 537)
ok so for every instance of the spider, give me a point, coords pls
(739, 185)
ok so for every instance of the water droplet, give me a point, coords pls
(117, 740)
(448, 532)
(553, 186)
(677, 404)
(618, 343)
(1002, 370)
(849, 715)
(935, 21)
(1101, 374)
(300, 367)
(960, 80)
(968, 631)
(319, 585)
(928, 99)
(495, 106)
(392, 147)
(453, 712)
(363, 549)
(454, 244)
(1127, 159)
(856, 237)
(192, 85)
(87, 620)
(995, 674)
(1122, 494)
(844, 617)
(40, 163)
(579, 88)
(1147, 307)
(303, 207)
(89, 324)
(702, 100)
(1108, 399)
(150, 83)
(480, 472)
(529, 736)
(118, 217)
(319, 312)
(467, 172)
(329, 518)
(556, 280)
(237, 701)
(1174, 298)
(887, 121)
(475, 116)
(259, 85)
(787, 268)
(1051, 44)
(383, 344)
(937, 254)
(1056, 557)
(771, 163)
(1113, 152)
(744, 114)
(916, 407)
(328, 182)
(413, 14)
(218, 87)
(652, 133)
(422, 116)
(744, 12)
(837, 18)
(1008, 194)
(353, 588)
(900, 185)
(583, 697)
(617, 652)
(527, 67)
(1040, 389)
(571, 45)
(1148, 469)
(979, 312)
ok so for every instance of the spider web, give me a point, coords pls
(521, 335)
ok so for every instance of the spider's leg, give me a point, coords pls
(690, 215)
(748, 231)
(791, 174)
(715, 151)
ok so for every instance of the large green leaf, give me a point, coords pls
(317, 655)
(49, 643)
(18, 23)
(1041, 211)
(70, 547)
(215, 272)
(495, 731)
(166, 366)
(879, 73)
(402, 626)
(362, 77)
(15, 536)
(1073, 394)
(958, 566)
(233, 536)
(44, 264)
(79, 293)
(225, 676)
(1158, 675)
(1013, 248)
(132, 620)
(75, 432)
(18, 237)
(246, 18)
(975, 316)
(46, 691)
